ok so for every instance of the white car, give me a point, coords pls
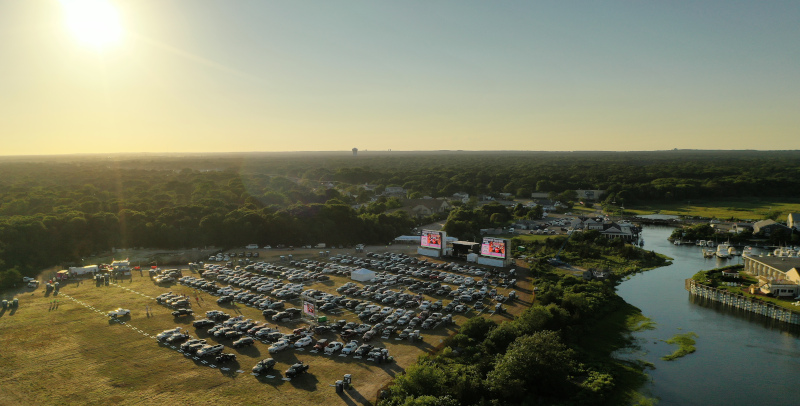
(350, 347)
(120, 312)
(279, 346)
(210, 350)
(28, 279)
(166, 333)
(303, 342)
(333, 347)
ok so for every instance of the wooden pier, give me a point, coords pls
(742, 302)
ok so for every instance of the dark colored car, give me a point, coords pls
(203, 323)
(182, 312)
(225, 357)
(296, 369)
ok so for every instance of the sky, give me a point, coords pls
(259, 75)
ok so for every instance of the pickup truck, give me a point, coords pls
(120, 312)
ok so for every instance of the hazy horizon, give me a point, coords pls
(179, 76)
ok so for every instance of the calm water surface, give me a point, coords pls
(740, 359)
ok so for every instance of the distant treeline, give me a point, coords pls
(63, 208)
(56, 213)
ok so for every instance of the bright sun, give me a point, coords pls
(93, 22)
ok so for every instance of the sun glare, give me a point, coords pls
(94, 23)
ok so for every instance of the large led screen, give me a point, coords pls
(493, 247)
(431, 239)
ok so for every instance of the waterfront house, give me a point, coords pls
(773, 268)
(793, 221)
(767, 227)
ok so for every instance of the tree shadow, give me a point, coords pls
(2, 312)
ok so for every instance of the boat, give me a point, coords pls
(748, 250)
(710, 243)
(733, 251)
(701, 243)
(708, 253)
(723, 251)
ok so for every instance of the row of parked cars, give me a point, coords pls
(201, 348)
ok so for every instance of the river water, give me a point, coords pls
(740, 359)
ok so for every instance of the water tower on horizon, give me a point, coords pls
(355, 151)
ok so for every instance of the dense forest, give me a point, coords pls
(59, 209)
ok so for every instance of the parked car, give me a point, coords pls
(264, 365)
(350, 347)
(176, 338)
(332, 347)
(225, 357)
(243, 342)
(282, 316)
(303, 342)
(363, 350)
(296, 369)
(120, 312)
(279, 346)
(202, 323)
(210, 350)
(182, 312)
(185, 346)
(346, 334)
(369, 335)
(166, 333)
(321, 344)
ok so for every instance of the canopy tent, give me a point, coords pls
(362, 275)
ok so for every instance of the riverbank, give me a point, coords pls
(728, 339)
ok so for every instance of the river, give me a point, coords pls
(740, 360)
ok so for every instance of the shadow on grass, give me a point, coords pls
(250, 351)
(353, 397)
(185, 320)
(277, 379)
(306, 381)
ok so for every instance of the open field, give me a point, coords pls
(71, 353)
(743, 209)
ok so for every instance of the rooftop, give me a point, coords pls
(784, 264)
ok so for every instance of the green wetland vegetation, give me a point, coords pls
(685, 343)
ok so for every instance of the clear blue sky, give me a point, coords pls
(200, 75)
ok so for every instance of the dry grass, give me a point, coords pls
(70, 354)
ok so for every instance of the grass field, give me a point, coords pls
(743, 209)
(71, 354)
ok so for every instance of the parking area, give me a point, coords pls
(405, 306)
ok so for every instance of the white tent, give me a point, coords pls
(362, 275)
